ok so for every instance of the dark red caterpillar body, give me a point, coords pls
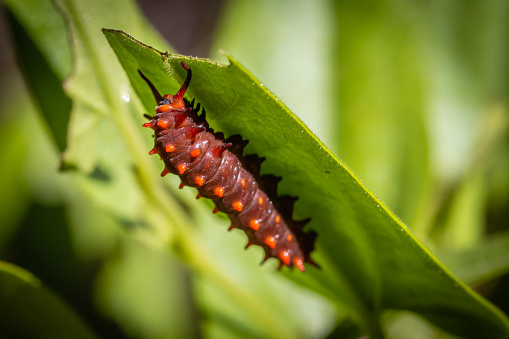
(216, 167)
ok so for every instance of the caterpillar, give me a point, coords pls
(216, 167)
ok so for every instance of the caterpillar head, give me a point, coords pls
(176, 101)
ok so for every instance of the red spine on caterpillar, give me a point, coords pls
(217, 169)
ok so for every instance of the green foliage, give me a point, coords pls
(183, 275)
(30, 310)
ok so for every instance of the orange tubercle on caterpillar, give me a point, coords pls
(163, 124)
(178, 104)
(271, 242)
(163, 108)
(169, 148)
(195, 153)
(199, 181)
(299, 264)
(181, 168)
(285, 257)
(218, 191)
(254, 224)
(237, 205)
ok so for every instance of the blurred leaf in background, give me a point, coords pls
(412, 95)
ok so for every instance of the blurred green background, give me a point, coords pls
(412, 95)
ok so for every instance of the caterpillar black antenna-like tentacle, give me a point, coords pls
(156, 94)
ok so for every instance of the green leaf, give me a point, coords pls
(370, 260)
(44, 58)
(29, 310)
(14, 198)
